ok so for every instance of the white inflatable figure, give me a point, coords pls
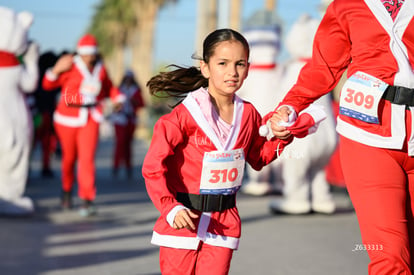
(262, 31)
(15, 119)
(302, 163)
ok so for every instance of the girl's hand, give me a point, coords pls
(184, 219)
(63, 64)
(281, 115)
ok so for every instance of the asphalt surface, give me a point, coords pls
(117, 240)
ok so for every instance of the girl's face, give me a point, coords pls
(227, 68)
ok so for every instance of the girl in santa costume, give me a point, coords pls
(373, 40)
(125, 122)
(195, 163)
(84, 83)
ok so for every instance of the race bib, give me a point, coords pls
(90, 87)
(222, 172)
(360, 97)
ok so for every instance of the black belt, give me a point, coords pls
(73, 105)
(399, 95)
(207, 202)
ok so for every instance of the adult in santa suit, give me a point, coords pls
(84, 83)
(372, 39)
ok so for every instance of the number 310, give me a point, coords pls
(223, 175)
(359, 99)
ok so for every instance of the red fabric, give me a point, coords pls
(8, 59)
(333, 170)
(206, 260)
(262, 66)
(87, 40)
(79, 143)
(300, 128)
(380, 183)
(124, 135)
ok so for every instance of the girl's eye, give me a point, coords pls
(221, 63)
(241, 64)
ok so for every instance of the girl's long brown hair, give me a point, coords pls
(182, 80)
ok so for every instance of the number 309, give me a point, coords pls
(359, 99)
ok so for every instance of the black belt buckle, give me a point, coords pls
(211, 202)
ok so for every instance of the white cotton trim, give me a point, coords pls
(175, 241)
(50, 75)
(395, 141)
(71, 121)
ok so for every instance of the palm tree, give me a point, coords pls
(142, 39)
(120, 25)
(111, 24)
(235, 14)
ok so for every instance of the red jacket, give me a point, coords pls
(174, 164)
(70, 83)
(361, 36)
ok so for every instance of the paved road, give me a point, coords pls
(117, 240)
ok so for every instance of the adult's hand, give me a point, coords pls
(63, 64)
(278, 123)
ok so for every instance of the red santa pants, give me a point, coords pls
(124, 135)
(206, 260)
(380, 183)
(79, 143)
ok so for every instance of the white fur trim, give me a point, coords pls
(87, 50)
(191, 104)
(175, 241)
(395, 141)
(50, 75)
(223, 241)
(203, 225)
(193, 242)
(172, 213)
(121, 98)
(70, 121)
(317, 112)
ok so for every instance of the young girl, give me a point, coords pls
(195, 162)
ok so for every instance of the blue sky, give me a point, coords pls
(59, 23)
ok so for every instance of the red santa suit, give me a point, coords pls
(375, 121)
(77, 119)
(184, 151)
